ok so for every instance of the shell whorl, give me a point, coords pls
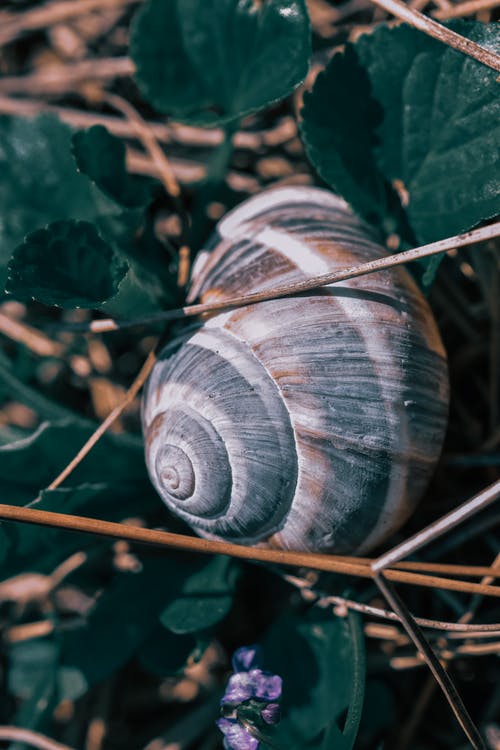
(209, 403)
(326, 411)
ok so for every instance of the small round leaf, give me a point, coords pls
(66, 264)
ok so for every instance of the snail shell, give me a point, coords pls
(312, 422)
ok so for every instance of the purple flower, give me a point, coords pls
(243, 686)
(236, 737)
(251, 693)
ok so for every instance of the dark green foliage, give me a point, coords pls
(25, 548)
(209, 61)
(81, 244)
(400, 106)
(166, 653)
(47, 451)
(205, 599)
(101, 156)
(111, 483)
(125, 621)
(67, 264)
(39, 183)
(321, 660)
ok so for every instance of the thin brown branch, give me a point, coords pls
(467, 8)
(148, 139)
(77, 118)
(473, 633)
(29, 630)
(34, 340)
(473, 649)
(184, 266)
(453, 629)
(28, 737)
(316, 561)
(186, 171)
(67, 567)
(15, 24)
(432, 532)
(445, 569)
(438, 31)
(174, 132)
(441, 675)
(166, 174)
(95, 437)
(58, 79)
(388, 261)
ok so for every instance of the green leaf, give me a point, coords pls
(125, 616)
(40, 185)
(115, 458)
(380, 711)
(32, 677)
(67, 264)
(206, 597)
(39, 182)
(401, 109)
(209, 61)
(101, 156)
(321, 660)
(29, 664)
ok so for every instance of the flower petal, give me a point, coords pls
(266, 686)
(240, 688)
(271, 713)
(247, 657)
(236, 737)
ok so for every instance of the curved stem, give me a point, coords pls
(28, 737)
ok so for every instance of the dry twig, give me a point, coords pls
(441, 675)
(59, 79)
(453, 629)
(415, 543)
(34, 340)
(148, 139)
(28, 737)
(15, 24)
(315, 561)
(99, 432)
(466, 8)
(389, 261)
(440, 32)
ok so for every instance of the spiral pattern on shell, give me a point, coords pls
(312, 422)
